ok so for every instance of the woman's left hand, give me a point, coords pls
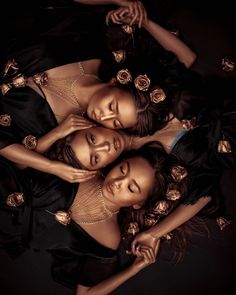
(145, 256)
(71, 124)
(133, 13)
(71, 174)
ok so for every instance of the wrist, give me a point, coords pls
(152, 235)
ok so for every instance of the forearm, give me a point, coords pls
(109, 285)
(46, 141)
(179, 216)
(18, 154)
(171, 43)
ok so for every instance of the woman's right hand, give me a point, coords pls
(130, 12)
(71, 174)
(71, 124)
(146, 255)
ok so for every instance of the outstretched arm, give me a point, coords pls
(145, 257)
(18, 154)
(166, 39)
(171, 43)
(179, 216)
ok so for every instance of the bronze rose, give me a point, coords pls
(157, 95)
(161, 207)
(189, 124)
(133, 228)
(227, 65)
(150, 219)
(222, 222)
(142, 82)
(5, 120)
(178, 173)
(119, 55)
(63, 217)
(19, 81)
(5, 88)
(41, 79)
(168, 236)
(224, 146)
(173, 192)
(30, 142)
(15, 199)
(11, 68)
(127, 29)
(124, 76)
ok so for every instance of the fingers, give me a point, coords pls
(133, 246)
(79, 175)
(148, 254)
(156, 248)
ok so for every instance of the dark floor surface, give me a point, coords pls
(209, 267)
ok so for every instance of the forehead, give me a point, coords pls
(126, 108)
(140, 169)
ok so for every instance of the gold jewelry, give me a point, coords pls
(89, 205)
(82, 72)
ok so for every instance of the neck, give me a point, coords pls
(128, 140)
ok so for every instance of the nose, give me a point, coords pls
(107, 117)
(103, 147)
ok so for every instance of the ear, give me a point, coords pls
(113, 81)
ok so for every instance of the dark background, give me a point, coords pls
(209, 266)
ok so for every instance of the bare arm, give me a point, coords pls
(146, 256)
(166, 39)
(18, 154)
(171, 43)
(71, 124)
(179, 216)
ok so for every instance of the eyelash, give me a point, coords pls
(122, 170)
(93, 139)
(115, 124)
(110, 106)
(129, 188)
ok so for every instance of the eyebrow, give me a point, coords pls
(133, 180)
(90, 156)
(118, 112)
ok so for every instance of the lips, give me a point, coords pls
(116, 142)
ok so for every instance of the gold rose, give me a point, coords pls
(124, 76)
(157, 95)
(142, 82)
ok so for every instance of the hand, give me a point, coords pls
(71, 124)
(131, 12)
(145, 256)
(145, 239)
(71, 174)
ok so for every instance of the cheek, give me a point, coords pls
(108, 124)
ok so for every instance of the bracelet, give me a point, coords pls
(30, 142)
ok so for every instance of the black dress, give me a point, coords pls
(78, 258)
